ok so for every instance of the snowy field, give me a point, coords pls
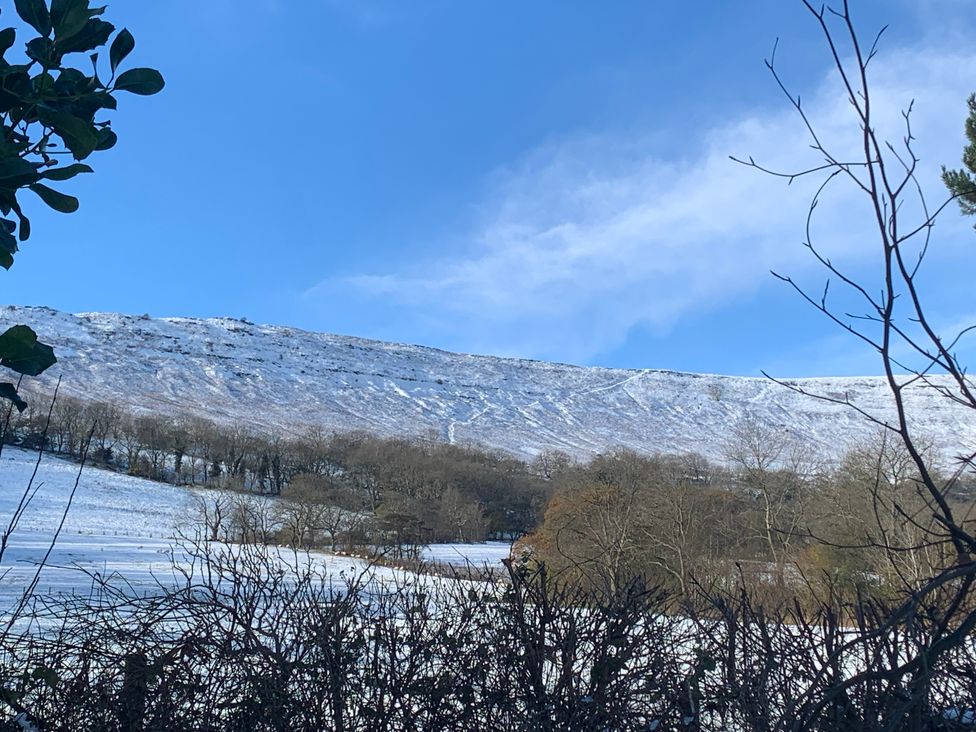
(489, 553)
(106, 503)
(125, 530)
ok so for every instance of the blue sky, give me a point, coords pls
(548, 179)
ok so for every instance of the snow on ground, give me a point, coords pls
(125, 529)
(462, 555)
(141, 562)
(117, 525)
(106, 504)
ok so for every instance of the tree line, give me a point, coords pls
(416, 490)
(776, 517)
(776, 510)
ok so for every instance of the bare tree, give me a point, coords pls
(106, 418)
(890, 317)
(460, 516)
(308, 514)
(678, 516)
(771, 466)
(212, 513)
(550, 463)
(251, 520)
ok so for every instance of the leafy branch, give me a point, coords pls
(53, 116)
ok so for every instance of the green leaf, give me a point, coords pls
(15, 172)
(68, 17)
(22, 352)
(71, 83)
(79, 136)
(8, 244)
(121, 47)
(58, 201)
(25, 227)
(8, 36)
(14, 85)
(34, 13)
(105, 100)
(106, 139)
(144, 82)
(15, 166)
(87, 106)
(9, 391)
(67, 172)
(95, 33)
(42, 51)
(24, 233)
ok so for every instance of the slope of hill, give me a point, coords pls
(275, 378)
(125, 531)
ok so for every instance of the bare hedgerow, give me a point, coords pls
(255, 638)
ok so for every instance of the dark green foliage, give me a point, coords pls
(58, 201)
(140, 81)
(51, 110)
(9, 391)
(21, 352)
(961, 183)
(121, 47)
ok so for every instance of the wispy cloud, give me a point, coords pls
(590, 236)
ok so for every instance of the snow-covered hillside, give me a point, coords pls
(282, 379)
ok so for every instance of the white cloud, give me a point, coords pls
(588, 237)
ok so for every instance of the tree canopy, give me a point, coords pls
(961, 183)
